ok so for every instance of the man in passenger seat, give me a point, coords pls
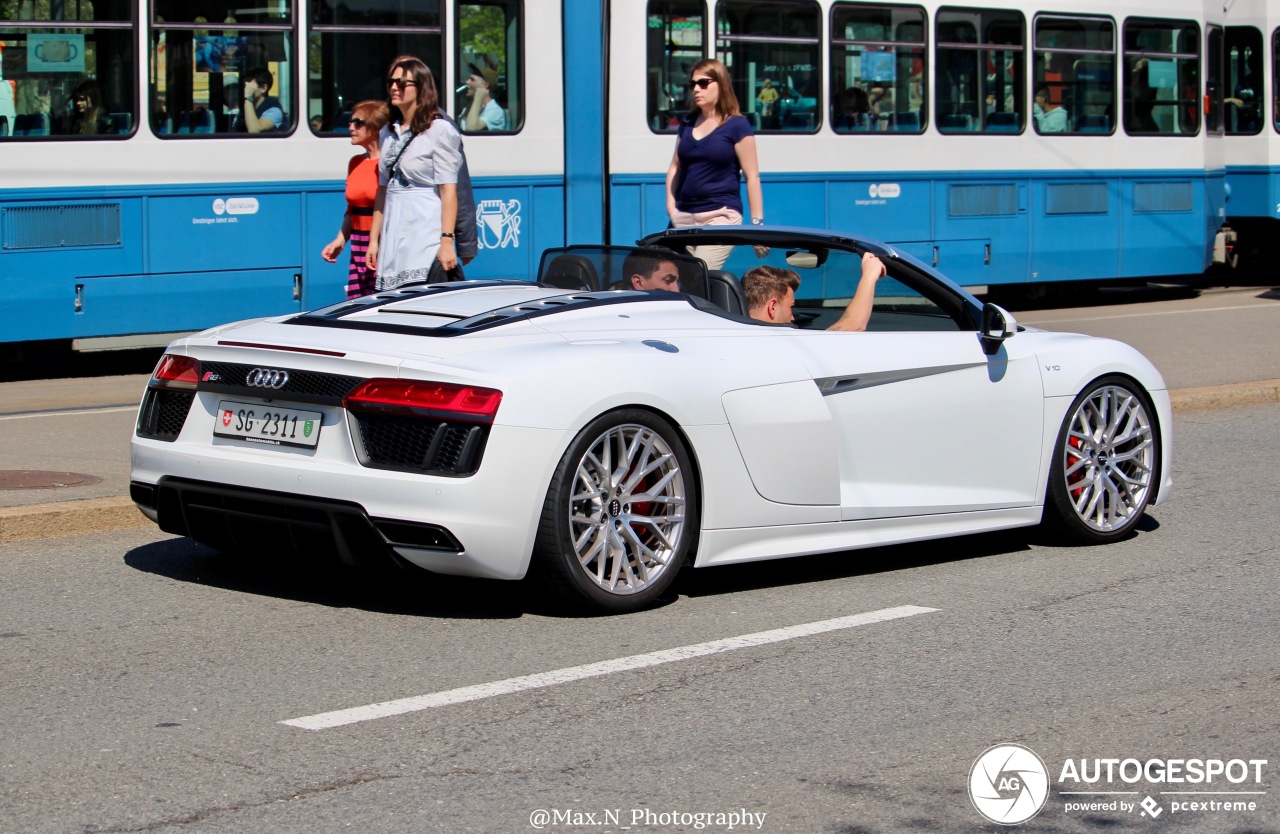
(650, 271)
(771, 293)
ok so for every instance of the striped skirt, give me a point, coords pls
(360, 281)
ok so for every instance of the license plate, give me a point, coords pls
(270, 425)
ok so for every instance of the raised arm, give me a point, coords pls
(858, 313)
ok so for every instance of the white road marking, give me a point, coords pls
(386, 709)
(68, 412)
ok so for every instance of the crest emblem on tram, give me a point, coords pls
(498, 222)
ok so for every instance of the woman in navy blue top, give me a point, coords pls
(715, 146)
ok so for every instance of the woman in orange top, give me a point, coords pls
(367, 119)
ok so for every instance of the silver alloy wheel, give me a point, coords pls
(628, 508)
(1109, 458)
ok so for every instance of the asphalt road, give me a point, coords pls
(144, 681)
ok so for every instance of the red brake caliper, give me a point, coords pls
(1072, 458)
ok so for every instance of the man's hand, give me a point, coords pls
(872, 267)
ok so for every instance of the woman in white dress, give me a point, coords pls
(416, 210)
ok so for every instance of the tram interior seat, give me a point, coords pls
(955, 121)
(725, 291)
(4, 125)
(905, 122)
(195, 121)
(342, 122)
(570, 272)
(1094, 123)
(1003, 123)
(851, 122)
(31, 124)
(798, 121)
(122, 122)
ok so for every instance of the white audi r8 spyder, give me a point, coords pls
(602, 437)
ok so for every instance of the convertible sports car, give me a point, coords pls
(602, 437)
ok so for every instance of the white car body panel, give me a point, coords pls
(785, 435)
(893, 459)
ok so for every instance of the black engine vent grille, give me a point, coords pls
(418, 444)
(302, 386)
(164, 410)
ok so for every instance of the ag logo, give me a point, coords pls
(1008, 784)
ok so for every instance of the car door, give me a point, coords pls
(926, 421)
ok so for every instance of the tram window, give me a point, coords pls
(68, 71)
(488, 67)
(208, 60)
(877, 68)
(1162, 77)
(1213, 98)
(773, 46)
(1244, 98)
(981, 74)
(1275, 79)
(1074, 68)
(676, 40)
(350, 48)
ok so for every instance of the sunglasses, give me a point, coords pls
(701, 83)
(357, 123)
(401, 82)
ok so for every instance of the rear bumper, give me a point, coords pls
(243, 497)
(237, 518)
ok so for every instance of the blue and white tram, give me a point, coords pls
(163, 218)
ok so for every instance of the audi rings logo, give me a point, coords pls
(1008, 784)
(267, 378)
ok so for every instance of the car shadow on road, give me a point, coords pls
(849, 564)
(383, 590)
(418, 593)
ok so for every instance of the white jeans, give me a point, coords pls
(714, 256)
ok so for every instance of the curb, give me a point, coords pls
(1266, 391)
(69, 518)
(96, 515)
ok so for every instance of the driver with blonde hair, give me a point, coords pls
(771, 293)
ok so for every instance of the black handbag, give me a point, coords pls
(438, 274)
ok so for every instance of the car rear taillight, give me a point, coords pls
(434, 399)
(175, 371)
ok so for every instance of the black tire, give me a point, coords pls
(598, 547)
(1105, 465)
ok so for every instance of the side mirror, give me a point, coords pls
(998, 324)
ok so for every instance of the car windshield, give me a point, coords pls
(828, 280)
